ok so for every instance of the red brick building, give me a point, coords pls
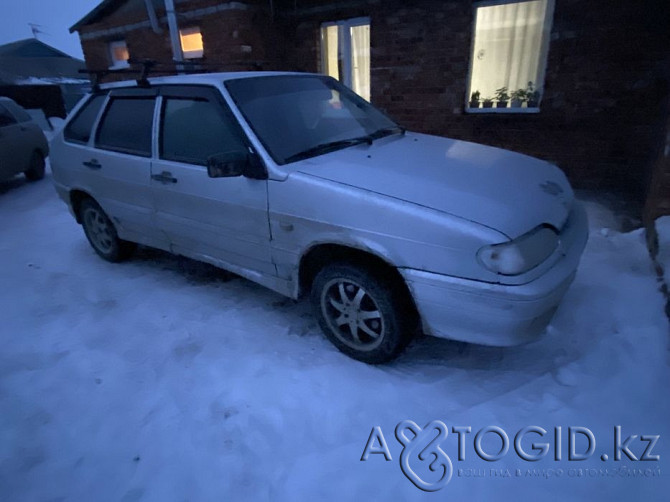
(600, 70)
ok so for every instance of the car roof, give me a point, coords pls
(202, 78)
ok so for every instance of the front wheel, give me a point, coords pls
(362, 314)
(101, 233)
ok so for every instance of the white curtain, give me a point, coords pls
(345, 54)
(507, 47)
(329, 51)
(360, 60)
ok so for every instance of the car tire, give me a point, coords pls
(36, 168)
(362, 313)
(101, 233)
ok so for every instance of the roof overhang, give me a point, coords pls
(103, 8)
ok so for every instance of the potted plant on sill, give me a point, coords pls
(502, 97)
(487, 103)
(518, 97)
(532, 95)
(474, 99)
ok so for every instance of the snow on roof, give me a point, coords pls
(28, 59)
(210, 78)
(31, 48)
(51, 81)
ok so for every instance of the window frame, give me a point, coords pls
(94, 124)
(117, 63)
(346, 76)
(8, 114)
(544, 55)
(127, 93)
(192, 29)
(204, 92)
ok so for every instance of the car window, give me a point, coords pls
(194, 129)
(19, 113)
(126, 126)
(291, 114)
(79, 128)
(6, 118)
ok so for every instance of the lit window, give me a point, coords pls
(118, 53)
(509, 55)
(191, 43)
(345, 53)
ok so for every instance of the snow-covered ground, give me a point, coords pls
(161, 379)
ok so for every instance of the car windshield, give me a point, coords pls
(302, 116)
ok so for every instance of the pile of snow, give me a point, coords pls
(162, 379)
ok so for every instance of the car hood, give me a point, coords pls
(503, 190)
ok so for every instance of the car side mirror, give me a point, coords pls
(230, 164)
(227, 164)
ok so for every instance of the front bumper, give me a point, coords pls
(497, 314)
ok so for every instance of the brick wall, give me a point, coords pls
(242, 36)
(605, 100)
(605, 92)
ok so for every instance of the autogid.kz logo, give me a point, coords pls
(424, 445)
(424, 461)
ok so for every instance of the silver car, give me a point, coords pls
(23, 146)
(296, 183)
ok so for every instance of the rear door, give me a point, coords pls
(118, 167)
(216, 219)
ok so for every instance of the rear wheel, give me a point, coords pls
(361, 313)
(101, 233)
(36, 169)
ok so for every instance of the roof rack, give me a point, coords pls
(146, 67)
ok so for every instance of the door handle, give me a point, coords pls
(164, 177)
(92, 164)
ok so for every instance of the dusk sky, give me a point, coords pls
(53, 16)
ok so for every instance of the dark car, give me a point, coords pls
(23, 146)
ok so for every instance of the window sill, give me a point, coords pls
(119, 66)
(502, 110)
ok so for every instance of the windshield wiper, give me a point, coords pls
(387, 131)
(329, 147)
(344, 143)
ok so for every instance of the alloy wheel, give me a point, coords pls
(352, 314)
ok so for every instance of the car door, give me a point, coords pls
(116, 169)
(12, 145)
(222, 220)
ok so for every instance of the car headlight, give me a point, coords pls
(520, 255)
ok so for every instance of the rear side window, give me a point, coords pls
(6, 118)
(78, 129)
(194, 129)
(126, 126)
(19, 113)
